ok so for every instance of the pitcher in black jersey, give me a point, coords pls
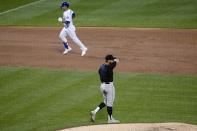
(107, 88)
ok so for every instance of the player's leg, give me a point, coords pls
(62, 36)
(110, 101)
(74, 37)
(113, 93)
(100, 106)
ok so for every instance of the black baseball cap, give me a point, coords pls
(109, 57)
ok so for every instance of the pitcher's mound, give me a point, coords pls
(137, 127)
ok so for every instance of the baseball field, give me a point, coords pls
(155, 81)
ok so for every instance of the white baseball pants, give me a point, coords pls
(71, 33)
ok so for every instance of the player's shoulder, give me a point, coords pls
(103, 67)
(68, 12)
(71, 11)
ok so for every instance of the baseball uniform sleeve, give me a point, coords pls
(73, 15)
(113, 65)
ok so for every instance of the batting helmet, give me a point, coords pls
(65, 4)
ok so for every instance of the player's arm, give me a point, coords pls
(60, 19)
(114, 63)
(73, 15)
(67, 23)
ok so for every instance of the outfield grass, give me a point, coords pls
(43, 99)
(116, 13)
(11, 4)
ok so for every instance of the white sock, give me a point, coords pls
(110, 118)
(96, 110)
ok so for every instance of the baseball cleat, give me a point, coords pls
(112, 121)
(69, 49)
(84, 52)
(65, 51)
(92, 116)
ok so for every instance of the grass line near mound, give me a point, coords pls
(43, 99)
(136, 127)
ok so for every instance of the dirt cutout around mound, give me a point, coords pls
(137, 127)
(171, 51)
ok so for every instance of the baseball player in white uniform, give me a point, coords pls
(69, 30)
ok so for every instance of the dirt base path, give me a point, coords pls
(139, 50)
(137, 127)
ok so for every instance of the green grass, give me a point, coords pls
(11, 4)
(116, 13)
(43, 99)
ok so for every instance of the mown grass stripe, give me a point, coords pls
(20, 7)
(111, 13)
(11, 4)
(56, 99)
(43, 86)
(45, 102)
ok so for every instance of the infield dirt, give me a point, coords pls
(140, 50)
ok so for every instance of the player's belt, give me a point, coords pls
(106, 82)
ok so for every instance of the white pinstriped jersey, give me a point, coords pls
(67, 16)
